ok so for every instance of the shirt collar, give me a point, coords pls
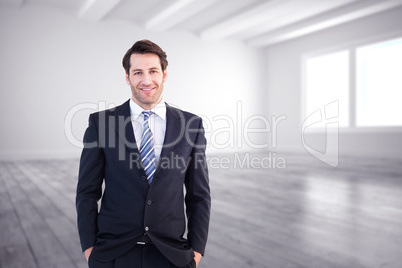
(159, 109)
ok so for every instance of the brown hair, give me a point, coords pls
(144, 47)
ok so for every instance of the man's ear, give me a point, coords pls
(164, 75)
(128, 79)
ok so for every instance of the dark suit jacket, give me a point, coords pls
(130, 206)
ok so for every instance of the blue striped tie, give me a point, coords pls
(147, 148)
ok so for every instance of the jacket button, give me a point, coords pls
(146, 229)
(149, 202)
(144, 178)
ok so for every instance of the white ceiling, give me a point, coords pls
(259, 23)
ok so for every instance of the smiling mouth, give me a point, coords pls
(147, 89)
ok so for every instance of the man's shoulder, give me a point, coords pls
(123, 109)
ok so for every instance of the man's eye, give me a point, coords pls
(153, 71)
(137, 73)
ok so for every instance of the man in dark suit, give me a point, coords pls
(145, 152)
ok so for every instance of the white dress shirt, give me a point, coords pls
(157, 125)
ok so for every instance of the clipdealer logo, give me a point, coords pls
(328, 116)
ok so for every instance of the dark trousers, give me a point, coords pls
(141, 256)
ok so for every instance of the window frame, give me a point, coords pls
(351, 47)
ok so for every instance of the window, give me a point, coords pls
(327, 78)
(379, 84)
(366, 81)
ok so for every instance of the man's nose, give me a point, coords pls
(146, 80)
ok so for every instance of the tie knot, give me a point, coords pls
(146, 114)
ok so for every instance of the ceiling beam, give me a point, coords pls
(168, 20)
(292, 12)
(329, 19)
(95, 10)
(167, 13)
(243, 21)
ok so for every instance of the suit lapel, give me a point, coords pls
(174, 128)
(124, 129)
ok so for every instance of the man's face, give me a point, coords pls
(146, 79)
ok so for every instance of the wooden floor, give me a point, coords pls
(307, 215)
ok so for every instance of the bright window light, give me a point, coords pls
(327, 80)
(379, 84)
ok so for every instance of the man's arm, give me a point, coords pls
(198, 199)
(89, 187)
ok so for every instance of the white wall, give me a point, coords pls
(50, 62)
(285, 81)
